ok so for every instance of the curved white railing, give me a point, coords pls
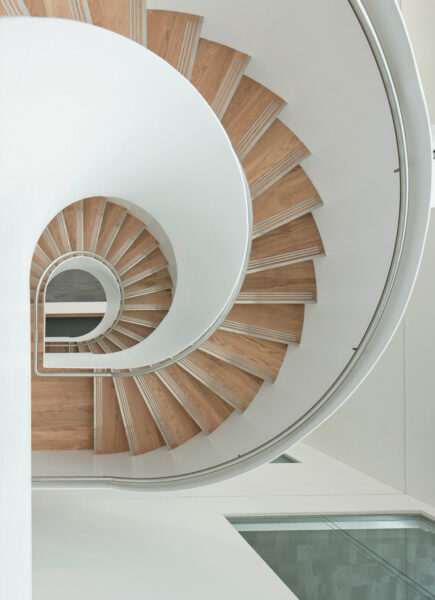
(166, 152)
(109, 281)
(102, 153)
(397, 69)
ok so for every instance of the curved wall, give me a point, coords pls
(316, 56)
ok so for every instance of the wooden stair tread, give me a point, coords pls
(11, 10)
(142, 433)
(126, 17)
(293, 241)
(273, 156)
(174, 423)
(93, 213)
(251, 111)
(127, 234)
(134, 328)
(121, 338)
(153, 317)
(281, 322)
(159, 300)
(209, 411)
(150, 264)
(111, 222)
(262, 358)
(95, 348)
(71, 216)
(287, 199)
(216, 73)
(160, 279)
(174, 36)
(291, 283)
(110, 436)
(62, 413)
(59, 233)
(144, 244)
(234, 386)
(108, 346)
(48, 246)
(49, 8)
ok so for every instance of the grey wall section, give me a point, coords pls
(75, 286)
(386, 429)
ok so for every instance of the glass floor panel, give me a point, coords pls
(347, 557)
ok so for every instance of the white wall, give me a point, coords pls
(419, 17)
(386, 429)
(93, 544)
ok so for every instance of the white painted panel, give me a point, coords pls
(419, 17)
(420, 379)
(367, 432)
(75, 308)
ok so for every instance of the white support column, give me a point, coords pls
(15, 418)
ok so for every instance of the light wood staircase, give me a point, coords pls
(196, 395)
(107, 231)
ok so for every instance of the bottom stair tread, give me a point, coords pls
(142, 432)
(233, 385)
(175, 425)
(203, 405)
(110, 436)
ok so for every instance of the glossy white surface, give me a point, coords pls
(338, 107)
(156, 144)
(111, 544)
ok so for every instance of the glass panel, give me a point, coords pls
(70, 326)
(407, 543)
(320, 560)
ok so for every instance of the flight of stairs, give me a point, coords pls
(170, 406)
(108, 231)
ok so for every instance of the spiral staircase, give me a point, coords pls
(145, 411)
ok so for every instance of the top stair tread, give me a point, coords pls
(288, 198)
(111, 436)
(144, 244)
(216, 73)
(174, 37)
(252, 109)
(297, 280)
(212, 409)
(110, 224)
(175, 424)
(273, 156)
(233, 385)
(142, 432)
(263, 318)
(260, 357)
(128, 232)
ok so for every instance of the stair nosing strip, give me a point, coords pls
(184, 400)
(159, 420)
(133, 262)
(127, 419)
(97, 225)
(284, 166)
(284, 216)
(260, 332)
(113, 233)
(212, 384)
(127, 245)
(287, 258)
(237, 361)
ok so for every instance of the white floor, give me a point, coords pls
(109, 544)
